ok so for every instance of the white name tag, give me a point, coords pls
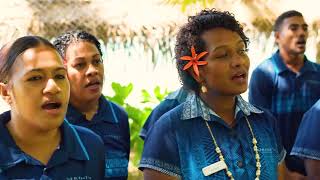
(213, 168)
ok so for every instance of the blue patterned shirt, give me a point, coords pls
(287, 95)
(180, 145)
(171, 101)
(111, 124)
(80, 155)
(307, 142)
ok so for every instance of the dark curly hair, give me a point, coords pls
(63, 41)
(190, 34)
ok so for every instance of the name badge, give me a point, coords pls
(213, 168)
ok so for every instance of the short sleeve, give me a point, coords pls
(160, 151)
(307, 144)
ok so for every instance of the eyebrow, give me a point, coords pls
(295, 24)
(82, 58)
(222, 46)
(40, 70)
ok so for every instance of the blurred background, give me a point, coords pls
(138, 38)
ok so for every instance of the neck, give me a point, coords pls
(224, 106)
(30, 140)
(88, 108)
(293, 61)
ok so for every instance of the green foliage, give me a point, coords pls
(185, 3)
(137, 115)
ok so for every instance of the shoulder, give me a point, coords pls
(316, 66)
(172, 118)
(117, 108)
(166, 105)
(265, 67)
(264, 72)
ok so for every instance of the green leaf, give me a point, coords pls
(146, 96)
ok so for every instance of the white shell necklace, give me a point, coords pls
(255, 148)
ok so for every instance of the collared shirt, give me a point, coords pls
(80, 155)
(172, 100)
(307, 142)
(111, 124)
(287, 95)
(180, 145)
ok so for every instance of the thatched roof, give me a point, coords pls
(150, 23)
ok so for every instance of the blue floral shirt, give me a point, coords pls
(180, 145)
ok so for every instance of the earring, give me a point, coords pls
(204, 89)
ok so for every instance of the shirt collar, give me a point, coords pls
(281, 67)
(11, 154)
(105, 112)
(195, 107)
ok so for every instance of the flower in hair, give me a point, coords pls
(194, 60)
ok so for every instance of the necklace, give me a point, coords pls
(255, 148)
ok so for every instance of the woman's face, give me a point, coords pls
(85, 71)
(38, 88)
(228, 64)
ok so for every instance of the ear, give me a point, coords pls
(65, 62)
(199, 78)
(4, 92)
(276, 36)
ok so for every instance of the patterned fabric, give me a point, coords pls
(287, 95)
(180, 144)
(111, 124)
(307, 144)
(80, 155)
(172, 100)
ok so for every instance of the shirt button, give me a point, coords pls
(44, 170)
(240, 164)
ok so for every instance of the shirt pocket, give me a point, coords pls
(116, 156)
(116, 166)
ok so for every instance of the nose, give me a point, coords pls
(303, 32)
(92, 70)
(238, 60)
(51, 87)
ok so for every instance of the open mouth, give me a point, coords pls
(239, 76)
(301, 42)
(94, 83)
(51, 106)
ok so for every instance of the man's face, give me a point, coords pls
(292, 36)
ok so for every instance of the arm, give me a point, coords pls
(160, 153)
(313, 168)
(150, 174)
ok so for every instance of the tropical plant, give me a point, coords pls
(137, 115)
